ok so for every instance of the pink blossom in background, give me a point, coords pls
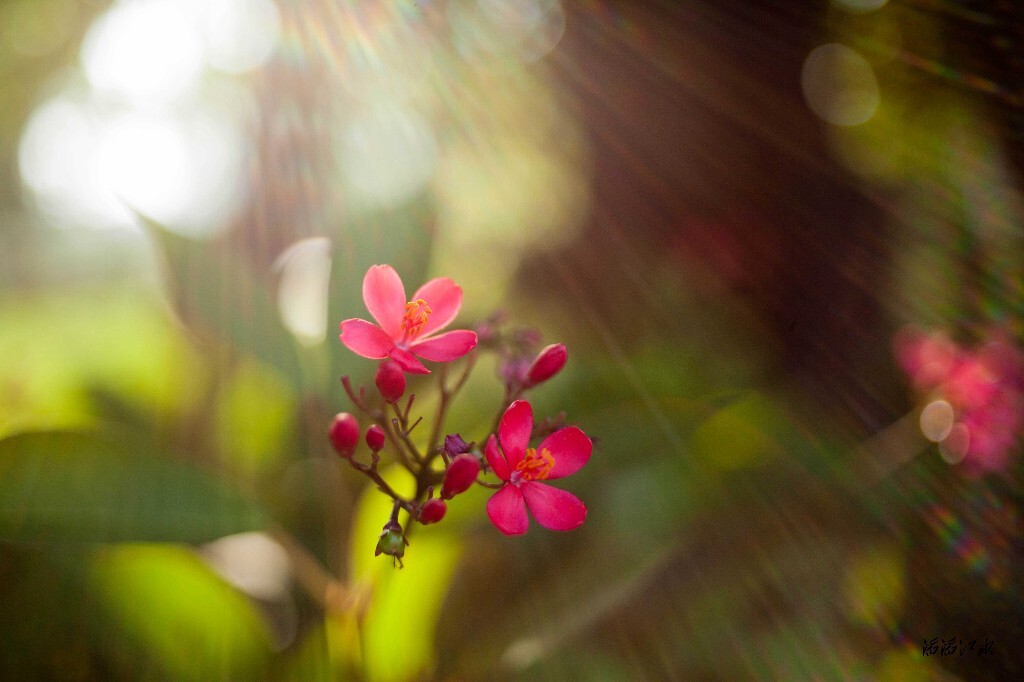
(522, 468)
(984, 386)
(926, 358)
(408, 328)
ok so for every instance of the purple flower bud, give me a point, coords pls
(454, 445)
(512, 370)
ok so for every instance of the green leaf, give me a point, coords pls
(398, 630)
(161, 604)
(218, 294)
(69, 487)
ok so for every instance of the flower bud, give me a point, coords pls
(375, 438)
(455, 445)
(548, 363)
(512, 370)
(391, 542)
(461, 474)
(344, 434)
(432, 511)
(390, 381)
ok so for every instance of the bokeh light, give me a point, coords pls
(521, 29)
(839, 85)
(240, 35)
(387, 153)
(937, 420)
(302, 294)
(92, 167)
(146, 51)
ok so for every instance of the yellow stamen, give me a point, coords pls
(415, 318)
(534, 466)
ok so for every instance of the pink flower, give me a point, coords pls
(522, 468)
(984, 386)
(407, 328)
(926, 358)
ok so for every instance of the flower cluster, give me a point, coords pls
(409, 332)
(974, 396)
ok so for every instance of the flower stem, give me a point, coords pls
(447, 394)
(326, 590)
(400, 424)
(382, 485)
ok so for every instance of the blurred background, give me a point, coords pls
(782, 241)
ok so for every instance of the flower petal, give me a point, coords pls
(553, 508)
(495, 459)
(571, 449)
(384, 296)
(445, 347)
(444, 298)
(366, 339)
(507, 510)
(514, 431)
(407, 361)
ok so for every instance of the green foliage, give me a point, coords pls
(162, 605)
(81, 488)
(398, 630)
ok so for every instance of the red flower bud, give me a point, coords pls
(344, 434)
(548, 363)
(375, 438)
(461, 473)
(432, 511)
(390, 381)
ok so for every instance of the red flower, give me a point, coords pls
(522, 468)
(407, 329)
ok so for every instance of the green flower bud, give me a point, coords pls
(392, 542)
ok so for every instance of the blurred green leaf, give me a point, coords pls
(114, 339)
(398, 630)
(217, 293)
(164, 603)
(254, 415)
(68, 487)
(738, 435)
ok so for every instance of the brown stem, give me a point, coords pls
(446, 397)
(400, 425)
(382, 485)
(328, 592)
(356, 400)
